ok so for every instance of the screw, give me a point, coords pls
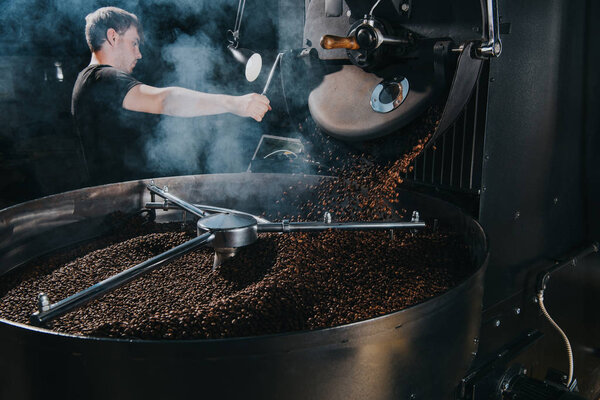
(348, 13)
(405, 7)
(43, 302)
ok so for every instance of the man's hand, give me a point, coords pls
(251, 105)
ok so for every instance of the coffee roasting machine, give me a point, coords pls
(512, 165)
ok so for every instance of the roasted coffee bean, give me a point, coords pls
(281, 283)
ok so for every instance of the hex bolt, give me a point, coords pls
(43, 302)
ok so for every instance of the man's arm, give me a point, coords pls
(182, 102)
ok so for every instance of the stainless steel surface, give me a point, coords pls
(493, 47)
(384, 107)
(78, 299)
(230, 230)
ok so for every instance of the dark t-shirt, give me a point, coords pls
(112, 137)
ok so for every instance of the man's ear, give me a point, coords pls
(111, 36)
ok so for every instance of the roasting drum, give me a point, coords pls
(423, 350)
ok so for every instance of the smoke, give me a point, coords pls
(185, 46)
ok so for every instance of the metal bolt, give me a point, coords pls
(43, 302)
(405, 7)
(413, 396)
(166, 189)
(524, 371)
(555, 200)
(517, 310)
(476, 340)
(517, 214)
(327, 217)
(497, 323)
(348, 13)
(415, 216)
(486, 157)
(505, 386)
(492, 79)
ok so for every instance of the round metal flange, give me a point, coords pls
(230, 230)
(389, 94)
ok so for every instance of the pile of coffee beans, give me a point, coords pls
(281, 283)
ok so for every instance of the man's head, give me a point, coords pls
(117, 33)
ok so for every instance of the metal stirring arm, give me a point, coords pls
(48, 312)
(176, 200)
(287, 226)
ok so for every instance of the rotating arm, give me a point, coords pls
(52, 311)
(286, 226)
(176, 200)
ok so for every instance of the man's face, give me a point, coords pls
(127, 50)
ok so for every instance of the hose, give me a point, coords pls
(540, 297)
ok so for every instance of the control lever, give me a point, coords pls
(366, 36)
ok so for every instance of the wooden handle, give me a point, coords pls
(337, 42)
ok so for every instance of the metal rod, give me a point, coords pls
(286, 226)
(271, 73)
(79, 299)
(182, 204)
(203, 207)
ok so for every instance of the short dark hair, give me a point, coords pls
(101, 20)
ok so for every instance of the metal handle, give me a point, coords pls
(271, 73)
(330, 42)
(47, 313)
(493, 47)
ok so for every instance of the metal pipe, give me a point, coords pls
(203, 207)
(286, 226)
(271, 73)
(79, 299)
(182, 204)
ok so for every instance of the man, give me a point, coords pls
(109, 106)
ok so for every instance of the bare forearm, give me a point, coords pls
(182, 102)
